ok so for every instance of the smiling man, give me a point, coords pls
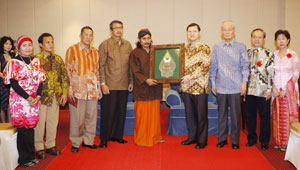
(82, 62)
(194, 87)
(229, 71)
(259, 89)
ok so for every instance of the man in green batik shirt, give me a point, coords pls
(54, 93)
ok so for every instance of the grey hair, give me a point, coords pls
(228, 21)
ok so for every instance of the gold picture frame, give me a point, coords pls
(167, 63)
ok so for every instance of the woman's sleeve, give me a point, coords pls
(18, 89)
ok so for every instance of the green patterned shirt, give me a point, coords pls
(57, 81)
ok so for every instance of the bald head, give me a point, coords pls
(227, 29)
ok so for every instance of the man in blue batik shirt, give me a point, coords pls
(229, 71)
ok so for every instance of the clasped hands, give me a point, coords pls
(33, 101)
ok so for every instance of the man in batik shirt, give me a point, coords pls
(54, 93)
(194, 87)
(259, 90)
(82, 62)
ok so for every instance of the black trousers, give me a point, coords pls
(196, 111)
(234, 102)
(113, 113)
(25, 145)
(254, 103)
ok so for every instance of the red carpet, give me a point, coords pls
(170, 155)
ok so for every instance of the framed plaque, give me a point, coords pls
(167, 63)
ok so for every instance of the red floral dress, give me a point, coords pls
(29, 76)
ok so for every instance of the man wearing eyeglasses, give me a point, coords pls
(116, 82)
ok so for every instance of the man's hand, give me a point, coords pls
(267, 95)
(105, 89)
(214, 90)
(282, 94)
(130, 87)
(275, 92)
(71, 95)
(185, 79)
(151, 82)
(243, 88)
(63, 99)
(100, 95)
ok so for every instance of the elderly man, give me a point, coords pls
(259, 89)
(116, 82)
(229, 71)
(194, 87)
(82, 62)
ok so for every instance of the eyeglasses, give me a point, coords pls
(117, 28)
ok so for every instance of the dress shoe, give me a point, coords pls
(264, 146)
(118, 140)
(103, 144)
(283, 149)
(161, 141)
(235, 146)
(200, 146)
(250, 143)
(35, 161)
(188, 142)
(90, 146)
(29, 164)
(41, 154)
(53, 151)
(74, 149)
(221, 144)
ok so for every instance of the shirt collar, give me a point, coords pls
(81, 47)
(228, 44)
(115, 41)
(46, 55)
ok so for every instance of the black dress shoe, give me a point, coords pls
(53, 151)
(221, 144)
(235, 146)
(90, 146)
(118, 140)
(264, 146)
(188, 142)
(74, 149)
(103, 144)
(41, 154)
(250, 143)
(200, 145)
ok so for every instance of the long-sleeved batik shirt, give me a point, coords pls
(197, 63)
(57, 80)
(261, 71)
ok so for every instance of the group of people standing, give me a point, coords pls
(267, 82)
(38, 85)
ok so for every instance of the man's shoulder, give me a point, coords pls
(219, 44)
(73, 46)
(39, 55)
(239, 44)
(203, 45)
(106, 42)
(127, 44)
